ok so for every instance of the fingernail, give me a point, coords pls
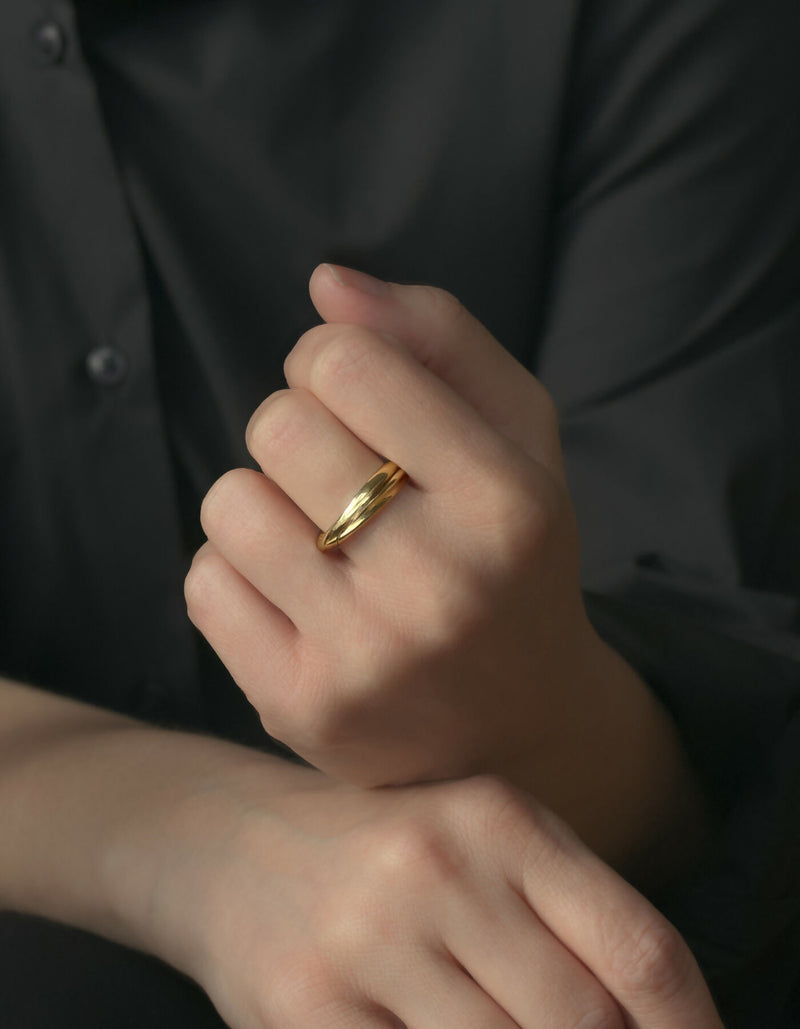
(364, 283)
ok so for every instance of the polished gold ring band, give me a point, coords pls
(373, 496)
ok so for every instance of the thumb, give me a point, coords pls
(451, 343)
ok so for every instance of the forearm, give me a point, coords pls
(94, 807)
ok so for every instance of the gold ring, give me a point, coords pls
(374, 495)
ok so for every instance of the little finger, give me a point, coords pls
(253, 638)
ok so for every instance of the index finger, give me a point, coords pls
(397, 407)
(448, 340)
(638, 956)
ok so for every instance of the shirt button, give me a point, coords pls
(50, 42)
(107, 366)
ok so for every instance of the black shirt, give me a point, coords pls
(611, 188)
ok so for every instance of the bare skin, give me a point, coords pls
(449, 637)
(297, 899)
(299, 902)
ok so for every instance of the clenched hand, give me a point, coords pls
(448, 637)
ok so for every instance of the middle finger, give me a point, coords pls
(309, 453)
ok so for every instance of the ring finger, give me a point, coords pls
(306, 451)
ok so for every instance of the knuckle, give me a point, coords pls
(219, 504)
(491, 806)
(409, 860)
(498, 814)
(656, 962)
(201, 582)
(316, 727)
(444, 307)
(302, 986)
(295, 365)
(488, 793)
(415, 852)
(347, 357)
(274, 423)
(528, 511)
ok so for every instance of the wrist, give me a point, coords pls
(166, 870)
(607, 757)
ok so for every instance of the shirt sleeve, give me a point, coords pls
(672, 348)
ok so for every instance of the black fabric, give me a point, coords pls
(611, 187)
(57, 977)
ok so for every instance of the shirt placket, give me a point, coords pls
(76, 293)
